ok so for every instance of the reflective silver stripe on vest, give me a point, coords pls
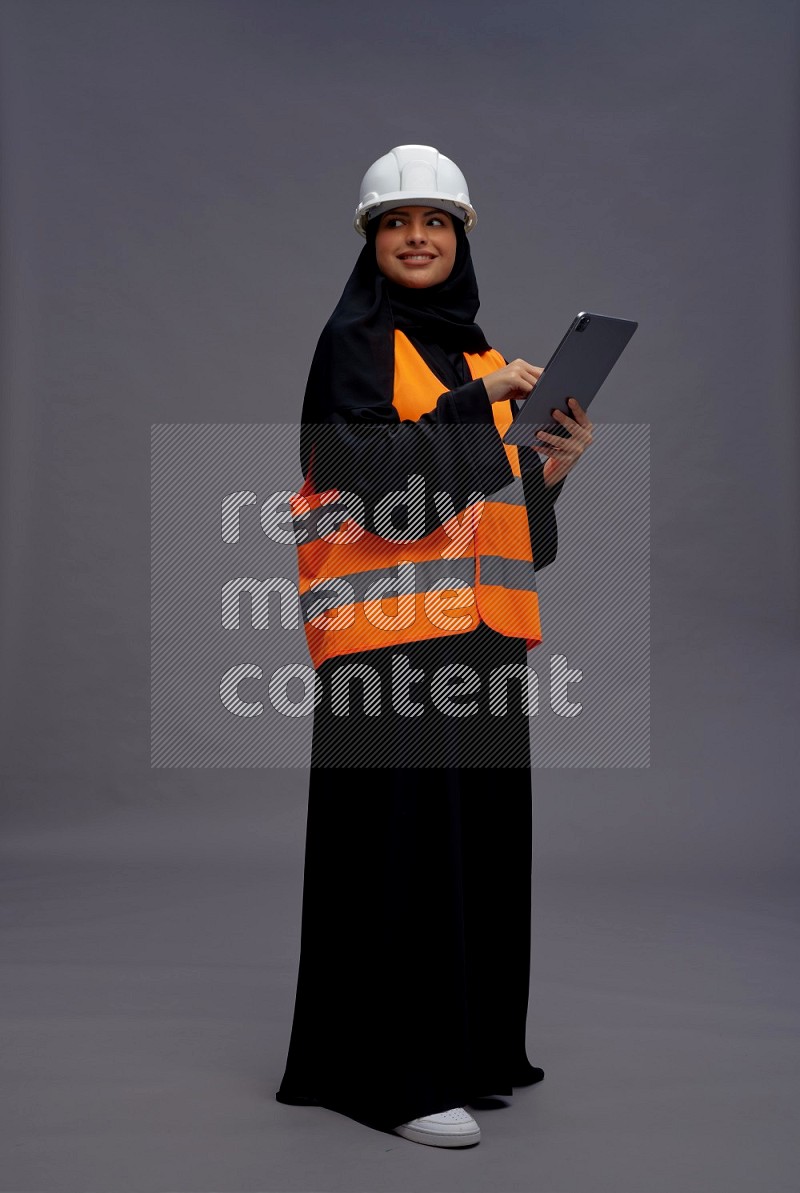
(511, 494)
(426, 576)
(508, 573)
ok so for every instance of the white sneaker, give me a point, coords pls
(448, 1128)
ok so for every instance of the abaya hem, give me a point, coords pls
(388, 1120)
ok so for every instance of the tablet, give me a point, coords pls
(580, 364)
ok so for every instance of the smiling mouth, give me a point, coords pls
(417, 258)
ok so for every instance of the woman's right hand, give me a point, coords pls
(514, 380)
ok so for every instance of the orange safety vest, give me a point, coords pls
(344, 568)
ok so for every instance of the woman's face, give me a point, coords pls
(415, 246)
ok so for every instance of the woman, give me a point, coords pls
(420, 604)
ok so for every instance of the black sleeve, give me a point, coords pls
(540, 500)
(455, 447)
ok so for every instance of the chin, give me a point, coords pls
(412, 282)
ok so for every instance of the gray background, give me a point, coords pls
(177, 189)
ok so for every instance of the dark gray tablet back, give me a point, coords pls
(578, 367)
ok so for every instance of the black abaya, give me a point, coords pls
(412, 989)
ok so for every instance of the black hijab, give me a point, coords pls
(352, 370)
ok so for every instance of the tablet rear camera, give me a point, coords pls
(583, 323)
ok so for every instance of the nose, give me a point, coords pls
(416, 233)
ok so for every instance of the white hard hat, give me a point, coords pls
(413, 174)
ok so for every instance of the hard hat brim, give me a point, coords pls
(455, 207)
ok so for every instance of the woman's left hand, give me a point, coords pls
(563, 454)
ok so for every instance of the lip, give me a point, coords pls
(409, 258)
